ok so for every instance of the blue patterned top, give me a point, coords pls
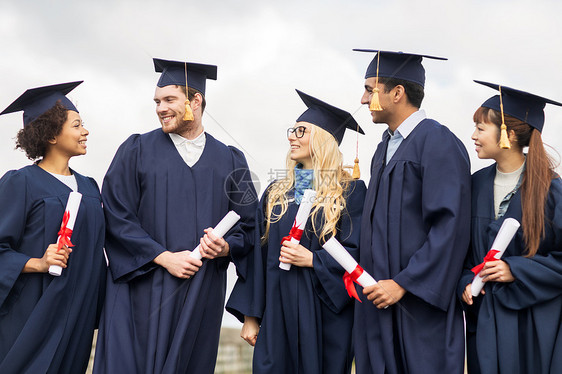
(303, 180)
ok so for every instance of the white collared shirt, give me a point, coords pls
(189, 150)
(402, 132)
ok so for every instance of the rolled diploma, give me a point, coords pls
(505, 235)
(226, 223)
(72, 206)
(301, 218)
(339, 253)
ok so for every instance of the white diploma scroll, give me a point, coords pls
(219, 230)
(301, 218)
(339, 253)
(71, 211)
(505, 235)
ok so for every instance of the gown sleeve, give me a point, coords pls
(433, 271)
(248, 295)
(243, 200)
(538, 278)
(103, 269)
(129, 247)
(466, 276)
(479, 201)
(13, 205)
(328, 282)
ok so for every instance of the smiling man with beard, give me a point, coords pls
(162, 193)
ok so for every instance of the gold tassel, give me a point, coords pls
(375, 104)
(504, 139)
(188, 116)
(356, 173)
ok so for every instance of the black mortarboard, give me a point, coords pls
(519, 104)
(328, 117)
(36, 101)
(174, 72)
(399, 65)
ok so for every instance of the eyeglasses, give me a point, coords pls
(298, 131)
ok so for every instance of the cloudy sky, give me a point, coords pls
(264, 50)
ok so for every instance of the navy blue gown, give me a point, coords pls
(415, 230)
(154, 322)
(46, 322)
(515, 327)
(306, 314)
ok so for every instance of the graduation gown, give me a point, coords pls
(306, 314)
(515, 327)
(154, 322)
(46, 322)
(415, 230)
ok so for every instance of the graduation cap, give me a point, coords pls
(519, 104)
(188, 74)
(329, 118)
(399, 65)
(522, 105)
(175, 72)
(36, 101)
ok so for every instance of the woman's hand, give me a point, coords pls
(295, 254)
(250, 330)
(496, 271)
(467, 294)
(52, 256)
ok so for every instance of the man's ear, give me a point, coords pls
(197, 100)
(398, 92)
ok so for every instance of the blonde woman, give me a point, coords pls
(300, 320)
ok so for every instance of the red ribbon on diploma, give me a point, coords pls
(294, 233)
(65, 233)
(489, 257)
(348, 280)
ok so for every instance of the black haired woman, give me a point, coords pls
(47, 322)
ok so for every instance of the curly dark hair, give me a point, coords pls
(34, 137)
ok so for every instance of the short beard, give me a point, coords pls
(179, 125)
(183, 126)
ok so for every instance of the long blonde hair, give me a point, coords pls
(330, 183)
